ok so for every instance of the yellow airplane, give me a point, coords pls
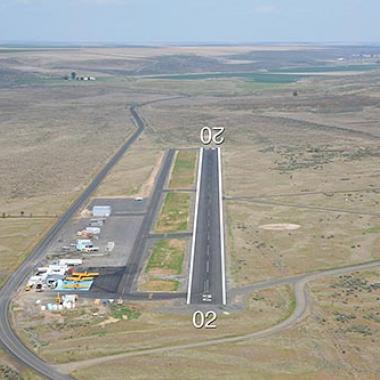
(82, 276)
(79, 279)
(74, 286)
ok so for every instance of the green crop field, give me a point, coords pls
(373, 230)
(251, 76)
(329, 68)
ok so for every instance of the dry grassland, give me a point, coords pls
(156, 284)
(337, 340)
(135, 174)
(9, 369)
(17, 236)
(78, 335)
(165, 269)
(301, 160)
(324, 240)
(175, 213)
(57, 153)
(183, 174)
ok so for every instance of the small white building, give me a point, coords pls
(93, 230)
(82, 244)
(101, 211)
(57, 269)
(68, 301)
(70, 262)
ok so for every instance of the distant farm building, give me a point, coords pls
(86, 78)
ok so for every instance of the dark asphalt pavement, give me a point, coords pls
(207, 266)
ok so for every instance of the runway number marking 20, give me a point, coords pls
(204, 320)
(209, 135)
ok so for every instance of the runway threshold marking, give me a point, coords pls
(191, 271)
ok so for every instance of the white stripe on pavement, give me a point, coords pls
(191, 271)
(221, 222)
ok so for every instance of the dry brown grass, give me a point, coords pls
(328, 344)
(158, 285)
(76, 335)
(9, 362)
(183, 174)
(135, 174)
(324, 240)
(174, 216)
(17, 236)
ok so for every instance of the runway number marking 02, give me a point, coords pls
(204, 320)
(214, 134)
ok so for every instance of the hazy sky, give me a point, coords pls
(155, 21)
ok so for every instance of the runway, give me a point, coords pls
(207, 283)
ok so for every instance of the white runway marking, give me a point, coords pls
(222, 253)
(191, 271)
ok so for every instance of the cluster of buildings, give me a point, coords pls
(67, 301)
(74, 76)
(65, 274)
(85, 243)
(86, 78)
(60, 275)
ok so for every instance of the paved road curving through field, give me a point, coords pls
(302, 303)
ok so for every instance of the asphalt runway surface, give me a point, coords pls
(207, 272)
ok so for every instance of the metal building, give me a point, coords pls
(101, 211)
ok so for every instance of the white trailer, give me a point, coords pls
(101, 211)
(97, 222)
(70, 262)
(57, 269)
(93, 230)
